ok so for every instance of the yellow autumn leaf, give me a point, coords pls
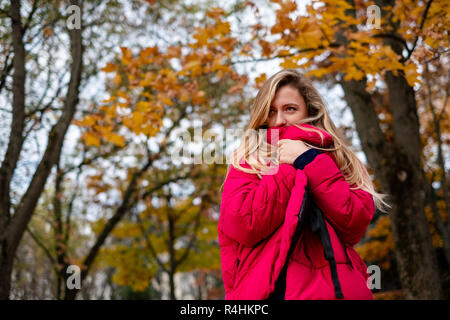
(167, 101)
(194, 67)
(311, 37)
(88, 121)
(202, 36)
(149, 51)
(91, 139)
(126, 55)
(370, 85)
(137, 118)
(411, 74)
(173, 52)
(198, 97)
(117, 79)
(143, 106)
(288, 63)
(222, 28)
(122, 94)
(117, 139)
(353, 73)
(317, 72)
(261, 78)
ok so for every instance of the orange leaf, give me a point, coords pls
(110, 67)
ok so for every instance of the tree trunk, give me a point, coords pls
(13, 151)
(397, 166)
(418, 269)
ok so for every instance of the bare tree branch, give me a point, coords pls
(150, 245)
(6, 70)
(193, 236)
(30, 15)
(42, 246)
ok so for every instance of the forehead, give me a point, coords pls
(285, 95)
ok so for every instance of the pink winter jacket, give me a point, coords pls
(259, 218)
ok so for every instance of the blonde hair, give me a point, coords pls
(256, 151)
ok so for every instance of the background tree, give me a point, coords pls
(379, 246)
(13, 220)
(38, 47)
(153, 71)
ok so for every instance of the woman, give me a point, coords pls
(289, 222)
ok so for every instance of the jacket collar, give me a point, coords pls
(294, 133)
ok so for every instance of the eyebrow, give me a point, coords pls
(287, 104)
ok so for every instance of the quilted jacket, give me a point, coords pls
(263, 230)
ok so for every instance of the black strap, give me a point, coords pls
(318, 224)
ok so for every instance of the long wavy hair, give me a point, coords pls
(259, 154)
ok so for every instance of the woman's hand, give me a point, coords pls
(289, 150)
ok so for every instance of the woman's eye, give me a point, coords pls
(291, 108)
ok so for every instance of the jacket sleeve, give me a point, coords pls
(253, 208)
(349, 211)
